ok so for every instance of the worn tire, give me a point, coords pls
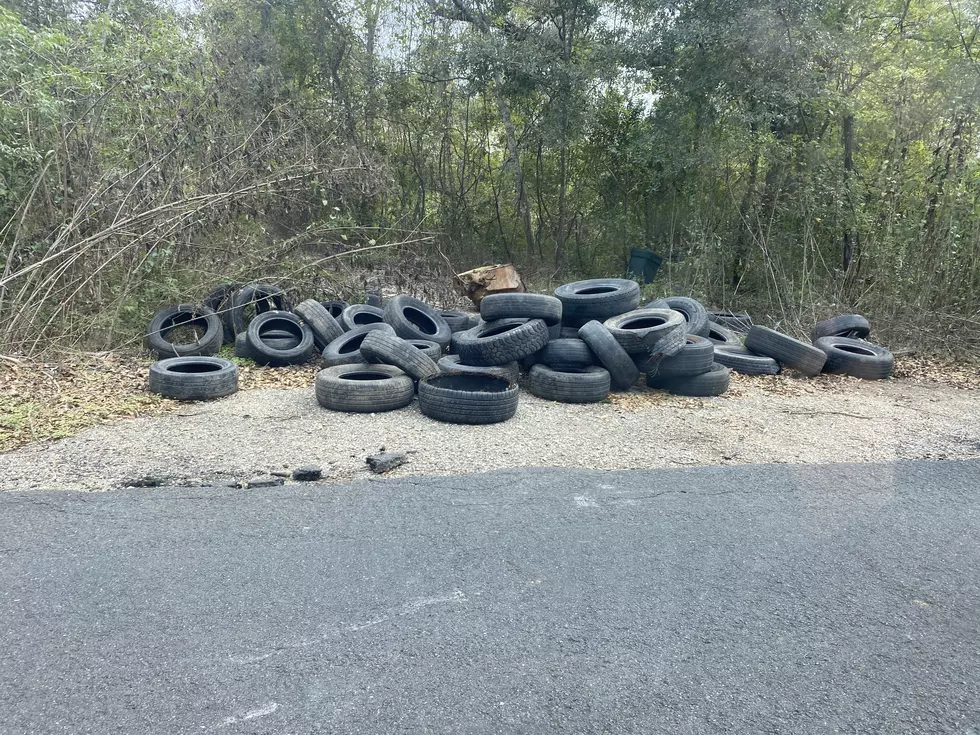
(271, 353)
(335, 307)
(723, 336)
(324, 327)
(692, 310)
(554, 332)
(275, 338)
(502, 341)
(209, 327)
(568, 332)
(220, 299)
(363, 388)
(242, 348)
(458, 321)
(468, 398)
(264, 296)
(597, 299)
(450, 363)
(714, 382)
(566, 353)
(736, 321)
(346, 350)
(845, 325)
(742, 361)
(610, 354)
(641, 331)
(856, 358)
(521, 306)
(414, 319)
(426, 347)
(696, 357)
(358, 315)
(197, 378)
(389, 349)
(791, 352)
(569, 385)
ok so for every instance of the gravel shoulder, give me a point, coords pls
(778, 419)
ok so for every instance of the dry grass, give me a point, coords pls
(44, 401)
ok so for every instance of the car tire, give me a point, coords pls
(265, 297)
(696, 357)
(648, 331)
(468, 398)
(346, 350)
(722, 336)
(856, 358)
(747, 363)
(363, 388)
(324, 327)
(714, 382)
(739, 322)
(569, 385)
(845, 325)
(427, 347)
(209, 326)
(501, 342)
(692, 310)
(358, 315)
(276, 355)
(198, 378)
(450, 363)
(566, 353)
(414, 319)
(610, 354)
(790, 352)
(389, 349)
(596, 299)
(521, 306)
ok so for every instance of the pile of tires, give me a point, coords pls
(576, 346)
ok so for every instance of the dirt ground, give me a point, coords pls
(93, 426)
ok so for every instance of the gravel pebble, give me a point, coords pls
(852, 421)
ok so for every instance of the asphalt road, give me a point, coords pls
(772, 599)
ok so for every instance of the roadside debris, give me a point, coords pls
(385, 461)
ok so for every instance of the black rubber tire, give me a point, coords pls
(468, 398)
(696, 357)
(450, 363)
(856, 358)
(572, 385)
(714, 382)
(736, 321)
(389, 349)
(645, 331)
(845, 325)
(357, 315)
(521, 306)
(220, 299)
(197, 378)
(791, 352)
(414, 319)
(566, 353)
(598, 299)
(458, 321)
(324, 327)
(742, 361)
(335, 307)
(692, 310)
(271, 353)
(723, 336)
(346, 350)
(608, 352)
(209, 327)
(276, 338)
(264, 296)
(568, 332)
(427, 347)
(363, 388)
(554, 332)
(502, 341)
(372, 297)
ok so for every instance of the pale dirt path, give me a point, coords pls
(761, 420)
